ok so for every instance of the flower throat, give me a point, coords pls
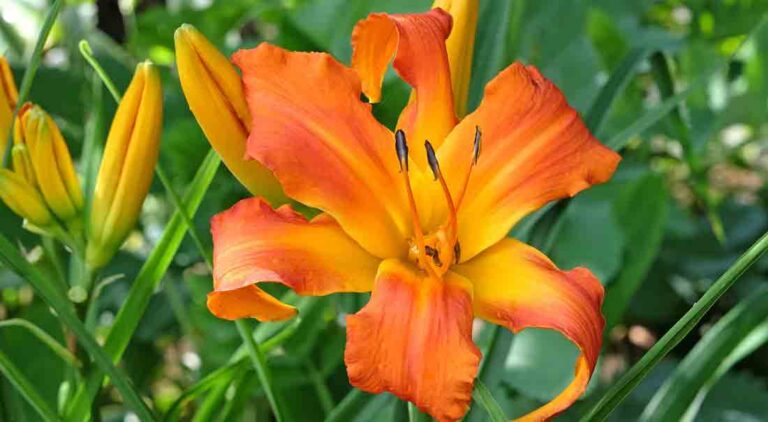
(434, 252)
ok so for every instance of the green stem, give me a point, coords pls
(29, 74)
(684, 325)
(87, 53)
(51, 251)
(259, 362)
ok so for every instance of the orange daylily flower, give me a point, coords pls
(423, 229)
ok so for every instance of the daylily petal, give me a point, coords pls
(414, 339)
(324, 145)
(535, 149)
(253, 243)
(517, 286)
(417, 43)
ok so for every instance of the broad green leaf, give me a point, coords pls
(589, 235)
(641, 211)
(736, 335)
(540, 364)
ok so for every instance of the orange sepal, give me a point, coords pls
(253, 243)
(414, 339)
(535, 149)
(324, 145)
(417, 43)
(518, 287)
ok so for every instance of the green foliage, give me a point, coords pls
(679, 88)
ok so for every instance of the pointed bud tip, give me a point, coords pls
(183, 30)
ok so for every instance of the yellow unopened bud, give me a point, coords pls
(42, 158)
(8, 98)
(126, 170)
(460, 45)
(215, 95)
(23, 199)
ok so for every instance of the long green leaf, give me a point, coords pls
(742, 330)
(259, 362)
(483, 396)
(45, 338)
(146, 282)
(684, 325)
(25, 388)
(350, 406)
(13, 259)
(648, 119)
(618, 80)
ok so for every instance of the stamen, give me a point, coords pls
(401, 147)
(476, 149)
(456, 252)
(435, 166)
(432, 159)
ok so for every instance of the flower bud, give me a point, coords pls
(215, 95)
(42, 159)
(127, 167)
(8, 98)
(23, 199)
(460, 46)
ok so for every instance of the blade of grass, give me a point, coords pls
(45, 338)
(482, 396)
(26, 389)
(149, 277)
(742, 330)
(618, 80)
(415, 415)
(321, 389)
(29, 74)
(219, 376)
(259, 362)
(13, 259)
(350, 406)
(684, 325)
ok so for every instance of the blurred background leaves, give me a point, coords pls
(688, 198)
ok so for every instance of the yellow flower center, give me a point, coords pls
(435, 252)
